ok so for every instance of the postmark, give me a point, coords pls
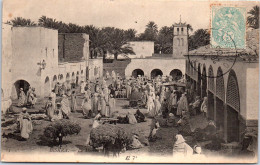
(216, 55)
(228, 34)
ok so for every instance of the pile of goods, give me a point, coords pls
(38, 116)
(8, 122)
(61, 128)
(184, 126)
(139, 116)
(162, 121)
(112, 137)
(207, 133)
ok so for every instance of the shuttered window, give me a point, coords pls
(233, 98)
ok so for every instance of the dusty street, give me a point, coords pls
(77, 143)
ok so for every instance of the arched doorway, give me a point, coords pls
(176, 74)
(68, 78)
(156, 72)
(87, 73)
(211, 91)
(233, 108)
(54, 81)
(204, 82)
(137, 72)
(82, 75)
(61, 78)
(220, 99)
(16, 88)
(77, 78)
(73, 77)
(199, 82)
(47, 87)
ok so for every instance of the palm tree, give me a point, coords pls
(253, 19)
(116, 42)
(96, 52)
(97, 39)
(201, 37)
(152, 26)
(74, 28)
(164, 40)
(130, 34)
(19, 21)
(150, 33)
(52, 23)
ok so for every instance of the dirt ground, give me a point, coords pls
(77, 143)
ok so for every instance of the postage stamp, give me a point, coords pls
(228, 23)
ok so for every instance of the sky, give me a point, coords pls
(123, 14)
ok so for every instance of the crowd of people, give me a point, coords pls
(161, 96)
(97, 98)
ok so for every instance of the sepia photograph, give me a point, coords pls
(130, 81)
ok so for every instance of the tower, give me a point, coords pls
(180, 40)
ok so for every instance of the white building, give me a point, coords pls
(31, 47)
(161, 64)
(231, 84)
(142, 49)
(6, 66)
(30, 58)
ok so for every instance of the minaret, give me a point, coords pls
(180, 40)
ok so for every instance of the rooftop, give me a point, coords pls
(36, 26)
(250, 52)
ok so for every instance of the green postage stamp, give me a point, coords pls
(228, 27)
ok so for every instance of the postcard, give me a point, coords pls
(130, 81)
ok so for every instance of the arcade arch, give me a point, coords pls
(156, 72)
(137, 72)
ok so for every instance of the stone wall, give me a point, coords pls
(95, 69)
(73, 46)
(6, 87)
(142, 49)
(118, 66)
(30, 46)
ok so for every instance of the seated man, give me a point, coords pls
(139, 116)
(57, 113)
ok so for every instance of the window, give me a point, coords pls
(181, 30)
(178, 41)
(177, 30)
